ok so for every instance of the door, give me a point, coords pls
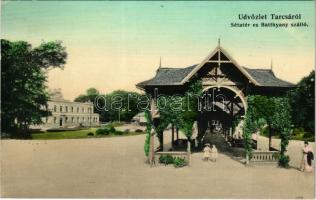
(60, 122)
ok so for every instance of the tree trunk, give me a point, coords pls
(247, 158)
(270, 136)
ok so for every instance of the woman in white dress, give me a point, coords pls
(308, 156)
(214, 153)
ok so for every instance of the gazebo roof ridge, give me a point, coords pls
(259, 77)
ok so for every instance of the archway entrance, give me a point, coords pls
(221, 107)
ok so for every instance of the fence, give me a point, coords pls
(264, 156)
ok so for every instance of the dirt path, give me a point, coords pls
(114, 168)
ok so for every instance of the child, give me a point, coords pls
(207, 152)
(214, 153)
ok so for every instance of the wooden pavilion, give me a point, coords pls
(228, 82)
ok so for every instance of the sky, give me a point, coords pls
(115, 45)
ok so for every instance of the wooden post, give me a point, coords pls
(232, 116)
(270, 136)
(172, 136)
(161, 140)
(154, 116)
(189, 150)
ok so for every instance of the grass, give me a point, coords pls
(77, 134)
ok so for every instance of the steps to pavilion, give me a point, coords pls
(218, 140)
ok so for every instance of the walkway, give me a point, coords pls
(114, 168)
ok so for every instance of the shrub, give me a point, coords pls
(139, 131)
(284, 161)
(90, 134)
(126, 131)
(102, 131)
(111, 128)
(166, 159)
(179, 162)
(118, 133)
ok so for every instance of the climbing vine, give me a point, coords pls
(148, 132)
(189, 114)
(273, 111)
(180, 110)
(249, 128)
(282, 123)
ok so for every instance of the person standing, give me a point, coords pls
(207, 152)
(308, 156)
(214, 153)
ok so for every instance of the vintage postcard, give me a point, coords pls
(158, 99)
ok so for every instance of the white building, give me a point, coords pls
(140, 119)
(66, 114)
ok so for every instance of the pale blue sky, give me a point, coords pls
(114, 45)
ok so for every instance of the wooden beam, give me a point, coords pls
(172, 136)
(228, 83)
(219, 61)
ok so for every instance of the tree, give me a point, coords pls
(302, 102)
(261, 107)
(56, 94)
(190, 112)
(119, 105)
(184, 117)
(24, 93)
(275, 112)
(281, 122)
(90, 95)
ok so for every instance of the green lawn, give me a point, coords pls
(76, 134)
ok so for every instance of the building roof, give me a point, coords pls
(168, 76)
(179, 76)
(266, 77)
(174, 76)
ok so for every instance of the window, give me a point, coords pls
(72, 109)
(66, 119)
(77, 109)
(66, 108)
(55, 108)
(72, 119)
(61, 109)
(77, 119)
(55, 120)
(82, 109)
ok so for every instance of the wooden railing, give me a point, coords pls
(175, 154)
(264, 156)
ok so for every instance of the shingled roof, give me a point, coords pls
(266, 77)
(167, 76)
(174, 76)
(179, 76)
